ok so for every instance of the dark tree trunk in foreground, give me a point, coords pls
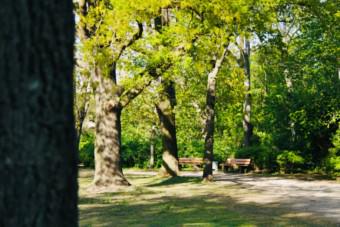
(210, 116)
(108, 168)
(247, 126)
(165, 111)
(38, 164)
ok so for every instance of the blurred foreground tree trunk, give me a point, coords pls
(38, 164)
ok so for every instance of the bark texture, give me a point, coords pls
(38, 163)
(165, 111)
(247, 126)
(210, 117)
(108, 168)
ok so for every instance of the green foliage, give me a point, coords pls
(296, 82)
(86, 149)
(294, 85)
(136, 152)
(263, 157)
(333, 159)
(289, 161)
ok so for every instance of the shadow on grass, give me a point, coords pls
(103, 198)
(109, 197)
(176, 180)
(193, 211)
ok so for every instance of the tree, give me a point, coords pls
(166, 115)
(247, 126)
(165, 106)
(38, 166)
(210, 115)
(115, 28)
(298, 108)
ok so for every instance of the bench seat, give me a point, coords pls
(236, 162)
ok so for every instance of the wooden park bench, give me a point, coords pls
(195, 162)
(241, 164)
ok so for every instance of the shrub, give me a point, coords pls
(333, 159)
(289, 161)
(263, 157)
(86, 149)
(136, 152)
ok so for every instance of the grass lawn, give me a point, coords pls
(182, 201)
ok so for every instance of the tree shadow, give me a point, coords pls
(176, 180)
(194, 211)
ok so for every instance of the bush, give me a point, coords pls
(333, 159)
(86, 149)
(192, 148)
(135, 153)
(289, 161)
(262, 157)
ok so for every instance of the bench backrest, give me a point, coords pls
(190, 160)
(238, 161)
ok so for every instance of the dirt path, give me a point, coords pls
(319, 197)
(316, 197)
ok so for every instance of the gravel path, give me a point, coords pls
(319, 197)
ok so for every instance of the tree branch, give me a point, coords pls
(134, 38)
(132, 93)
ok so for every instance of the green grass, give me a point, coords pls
(182, 201)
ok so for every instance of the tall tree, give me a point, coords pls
(210, 115)
(166, 115)
(38, 164)
(165, 109)
(247, 126)
(116, 27)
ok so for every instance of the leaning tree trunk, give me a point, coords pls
(210, 116)
(38, 158)
(165, 111)
(247, 126)
(108, 167)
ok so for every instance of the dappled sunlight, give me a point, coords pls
(186, 201)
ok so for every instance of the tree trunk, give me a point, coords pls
(210, 116)
(247, 126)
(38, 159)
(108, 166)
(152, 146)
(165, 111)
(81, 115)
(152, 155)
